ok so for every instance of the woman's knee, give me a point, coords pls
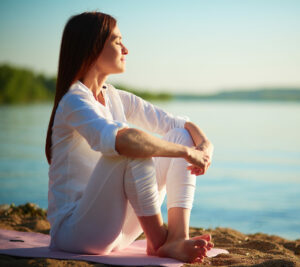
(179, 136)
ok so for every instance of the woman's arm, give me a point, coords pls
(135, 143)
(147, 116)
(196, 133)
(201, 143)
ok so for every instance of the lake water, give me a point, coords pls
(253, 184)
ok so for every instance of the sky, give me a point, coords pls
(176, 46)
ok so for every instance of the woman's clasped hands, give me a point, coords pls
(200, 158)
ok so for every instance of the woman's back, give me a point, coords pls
(76, 148)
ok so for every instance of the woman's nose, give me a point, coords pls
(124, 50)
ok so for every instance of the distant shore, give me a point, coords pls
(259, 249)
(263, 94)
(23, 86)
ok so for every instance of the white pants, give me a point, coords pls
(106, 216)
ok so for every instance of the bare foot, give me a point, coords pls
(206, 237)
(186, 250)
(151, 250)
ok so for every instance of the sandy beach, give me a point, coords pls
(258, 249)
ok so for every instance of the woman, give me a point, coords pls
(107, 181)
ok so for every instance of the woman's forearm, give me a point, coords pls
(135, 143)
(196, 133)
(201, 143)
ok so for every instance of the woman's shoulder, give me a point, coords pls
(124, 95)
(77, 96)
(110, 88)
(78, 88)
(77, 91)
(116, 89)
(115, 92)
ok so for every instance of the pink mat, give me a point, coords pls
(35, 245)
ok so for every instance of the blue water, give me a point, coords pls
(253, 184)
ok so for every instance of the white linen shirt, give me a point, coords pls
(83, 131)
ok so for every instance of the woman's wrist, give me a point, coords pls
(186, 152)
(181, 151)
(206, 146)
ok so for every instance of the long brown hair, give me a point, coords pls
(82, 42)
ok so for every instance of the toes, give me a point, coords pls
(206, 237)
(199, 254)
(198, 260)
(202, 252)
(210, 245)
(200, 243)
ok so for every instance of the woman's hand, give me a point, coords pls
(199, 161)
(200, 158)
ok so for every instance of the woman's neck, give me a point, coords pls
(95, 83)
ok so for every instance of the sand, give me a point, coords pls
(258, 249)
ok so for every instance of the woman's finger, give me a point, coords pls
(197, 170)
(200, 171)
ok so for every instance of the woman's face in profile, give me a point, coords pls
(112, 57)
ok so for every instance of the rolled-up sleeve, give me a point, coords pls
(80, 113)
(148, 116)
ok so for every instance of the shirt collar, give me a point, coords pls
(84, 87)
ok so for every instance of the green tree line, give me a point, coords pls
(20, 85)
